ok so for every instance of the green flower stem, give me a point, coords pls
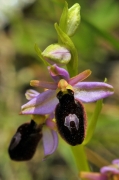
(80, 158)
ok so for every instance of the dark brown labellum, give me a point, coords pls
(24, 143)
(70, 118)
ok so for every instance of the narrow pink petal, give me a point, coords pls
(50, 141)
(80, 77)
(93, 176)
(109, 169)
(115, 161)
(92, 91)
(58, 73)
(44, 103)
(47, 85)
(30, 94)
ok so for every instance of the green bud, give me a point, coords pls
(70, 19)
(56, 53)
(73, 19)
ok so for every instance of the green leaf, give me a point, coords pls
(38, 51)
(67, 42)
(92, 123)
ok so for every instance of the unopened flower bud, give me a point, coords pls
(56, 53)
(73, 19)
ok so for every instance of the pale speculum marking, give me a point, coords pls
(15, 141)
(71, 122)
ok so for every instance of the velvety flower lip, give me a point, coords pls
(45, 102)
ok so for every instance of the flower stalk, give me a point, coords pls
(80, 158)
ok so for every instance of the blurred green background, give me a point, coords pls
(26, 22)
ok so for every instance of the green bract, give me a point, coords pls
(38, 51)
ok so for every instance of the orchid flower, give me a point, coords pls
(25, 141)
(45, 102)
(49, 134)
(110, 172)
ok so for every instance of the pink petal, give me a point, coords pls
(80, 77)
(44, 103)
(50, 141)
(93, 176)
(115, 161)
(92, 91)
(47, 85)
(58, 73)
(109, 169)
